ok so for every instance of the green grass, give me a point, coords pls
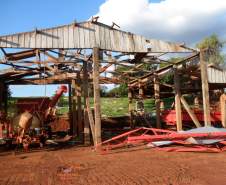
(109, 106)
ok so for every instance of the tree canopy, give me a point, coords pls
(214, 47)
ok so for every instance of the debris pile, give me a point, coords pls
(203, 139)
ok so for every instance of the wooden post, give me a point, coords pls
(130, 97)
(205, 88)
(86, 94)
(74, 109)
(96, 89)
(70, 110)
(1, 95)
(5, 99)
(177, 100)
(140, 106)
(190, 112)
(157, 102)
(223, 110)
(91, 120)
(79, 107)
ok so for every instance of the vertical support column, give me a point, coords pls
(79, 107)
(70, 109)
(96, 89)
(223, 109)
(1, 95)
(205, 88)
(177, 99)
(5, 98)
(74, 110)
(86, 94)
(140, 106)
(157, 101)
(130, 97)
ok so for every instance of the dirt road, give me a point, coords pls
(83, 166)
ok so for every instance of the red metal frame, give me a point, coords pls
(145, 135)
(169, 116)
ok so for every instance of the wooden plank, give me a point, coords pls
(85, 93)
(16, 40)
(177, 100)
(71, 37)
(74, 109)
(70, 108)
(81, 37)
(96, 89)
(66, 34)
(112, 39)
(190, 112)
(91, 120)
(33, 40)
(223, 110)
(21, 40)
(55, 38)
(97, 36)
(92, 37)
(49, 37)
(44, 39)
(79, 107)
(205, 88)
(61, 37)
(27, 39)
(130, 97)
(102, 37)
(86, 36)
(157, 101)
(38, 40)
(76, 37)
(9, 41)
(107, 39)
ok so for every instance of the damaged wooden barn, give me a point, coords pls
(81, 55)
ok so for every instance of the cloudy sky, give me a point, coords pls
(173, 20)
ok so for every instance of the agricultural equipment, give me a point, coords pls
(34, 115)
(217, 113)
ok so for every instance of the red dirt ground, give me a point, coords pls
(82, 166)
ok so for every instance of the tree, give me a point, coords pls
(214, 46)
(62, 102)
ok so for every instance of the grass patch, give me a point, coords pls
(109, 106)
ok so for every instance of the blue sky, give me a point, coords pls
(25, 15)
(179, 21)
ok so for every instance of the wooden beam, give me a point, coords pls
(2, 87)
(70, 109)
(190, 112)
(205, 88)
(74, 109)
(86, 94)
(177, 100)
(223, 110)
(96, 89)
(157, 101)
(130, 97)
(79, 108)
(91, 120)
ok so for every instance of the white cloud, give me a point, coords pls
(172, 20)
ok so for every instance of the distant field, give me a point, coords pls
(109, 106)
(119, 106)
